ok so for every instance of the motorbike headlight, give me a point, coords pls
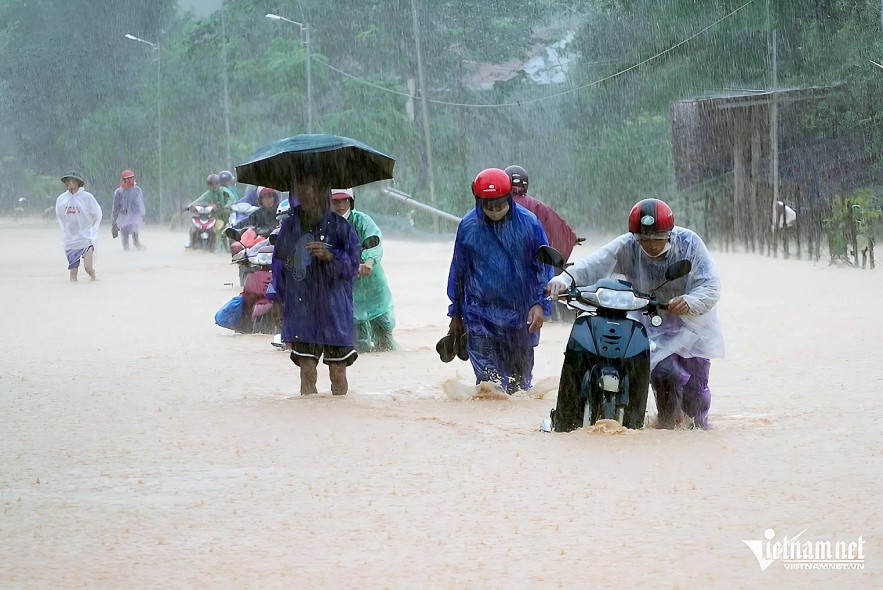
(263, 258)
(624, 300)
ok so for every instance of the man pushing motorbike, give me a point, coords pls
(690, 334)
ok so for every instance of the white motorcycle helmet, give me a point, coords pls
(282, 210)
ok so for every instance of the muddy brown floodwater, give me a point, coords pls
(143, 446)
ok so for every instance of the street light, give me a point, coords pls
(305, 40)
(158, 115)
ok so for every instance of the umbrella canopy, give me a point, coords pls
(340, 161)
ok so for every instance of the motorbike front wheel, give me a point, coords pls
(571, 411)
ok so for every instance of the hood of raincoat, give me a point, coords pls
(482, 215)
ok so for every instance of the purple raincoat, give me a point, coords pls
(128, 209)
(317, 297)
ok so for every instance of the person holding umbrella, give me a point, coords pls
(314, 265)
(317, 255)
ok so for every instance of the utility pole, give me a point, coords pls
(304, 40)
(159, 129)
(306, 31)
(226, 87)
(774, 125)
(156, 48)
(774, 134)
(426, 136)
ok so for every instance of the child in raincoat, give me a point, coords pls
(372, 300)
(496, 284)
(690, 334)
(79, 215)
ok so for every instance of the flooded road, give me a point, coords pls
(143, 445)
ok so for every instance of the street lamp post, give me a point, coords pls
(305, 40)
(158, 116)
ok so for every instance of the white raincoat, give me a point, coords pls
(697, 334)
(78, 215)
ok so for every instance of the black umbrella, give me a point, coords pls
(340, 161)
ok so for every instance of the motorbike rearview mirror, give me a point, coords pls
(551, 256)
(232, 234)
(679, 269)
(371, 242)
(273, 237)
(675, 270)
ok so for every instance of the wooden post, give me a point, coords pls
(851, 233)
(757, 218)
(798, 209)
(739, 209)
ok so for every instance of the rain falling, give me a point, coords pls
(412, 293)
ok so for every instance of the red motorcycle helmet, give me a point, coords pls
(491, 183)
(651, 216)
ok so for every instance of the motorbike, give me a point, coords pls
(260, 315)
(202, 229)
(240, 211)
(239, 243)
(606, 370)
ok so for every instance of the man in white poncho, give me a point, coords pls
(690, 334)
(78, 215)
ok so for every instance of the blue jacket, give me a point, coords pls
(317, 297)
(495, 277)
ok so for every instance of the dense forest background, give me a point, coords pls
(591, 126)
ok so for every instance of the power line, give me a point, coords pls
(542, 98)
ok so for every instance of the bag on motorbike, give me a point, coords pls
(231, 313)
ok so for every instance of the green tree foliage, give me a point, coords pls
(75, 93)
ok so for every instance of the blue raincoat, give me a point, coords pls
(495, 279)
(317, 297)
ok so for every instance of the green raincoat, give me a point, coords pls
(373, 307)
(223, 198)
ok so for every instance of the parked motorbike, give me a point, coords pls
(260, 315)
(239, 243)
(202, 229)
(606, 370)
(240, 211)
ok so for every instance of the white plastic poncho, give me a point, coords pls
(78, 215)
(697, 334)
